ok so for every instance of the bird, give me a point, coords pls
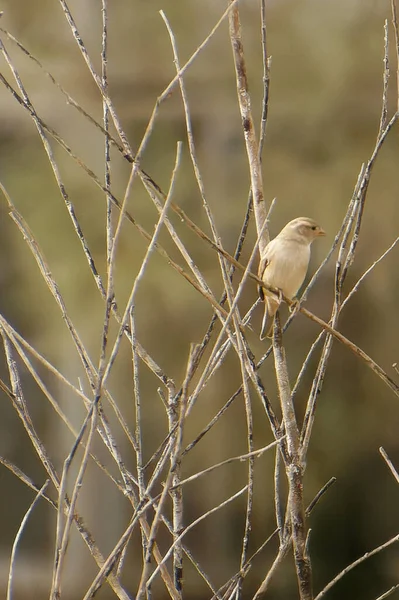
(284, 264)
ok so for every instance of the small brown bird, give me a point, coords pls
(284, 265)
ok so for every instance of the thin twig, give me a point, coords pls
(139, 276)
(19, 536)
(277, 494)
(388, 592)
(241, 458)
(195, 523)
(355, 564)
(266, 62)
(389, 463)
(282, 553)
(252, 148)
(384, 109)
(367, 272)
(396, 33)
(319, 494)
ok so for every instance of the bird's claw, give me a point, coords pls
(295, 306)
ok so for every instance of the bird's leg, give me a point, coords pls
(295, 306)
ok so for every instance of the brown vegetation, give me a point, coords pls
(179, 455)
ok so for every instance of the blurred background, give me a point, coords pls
(324, 113)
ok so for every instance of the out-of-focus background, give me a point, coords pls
(324, 112)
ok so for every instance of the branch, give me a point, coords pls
(248, 127)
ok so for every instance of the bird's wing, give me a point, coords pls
(264, 262)
(262, 266)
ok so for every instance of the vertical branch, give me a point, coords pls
(384, 110)
(178, 522)
(248, 127)
(351, 232)
(175, 452)
(294, 470)
(396, 33)
(266, 60)
(110, 294)
(287, 407)
(277, 495)
(244, 363)
(97, 79)
(138, 431)
(177, 408)
(109, 297)
(107, 157)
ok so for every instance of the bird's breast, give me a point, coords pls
(287, 268)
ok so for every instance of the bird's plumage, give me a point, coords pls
(284, 265)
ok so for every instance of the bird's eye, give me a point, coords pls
(313, 228)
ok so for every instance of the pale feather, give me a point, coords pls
(283, 266)
(271, 307)
(287, 264)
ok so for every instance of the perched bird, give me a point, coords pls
(284, 264)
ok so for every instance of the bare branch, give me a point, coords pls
(18, 538)
(389, 463)
(355, 564)
(248, 127)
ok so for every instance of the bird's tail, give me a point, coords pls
(271, 307)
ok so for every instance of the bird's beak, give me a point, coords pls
(321, 233)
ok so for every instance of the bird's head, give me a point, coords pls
(303, 228)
